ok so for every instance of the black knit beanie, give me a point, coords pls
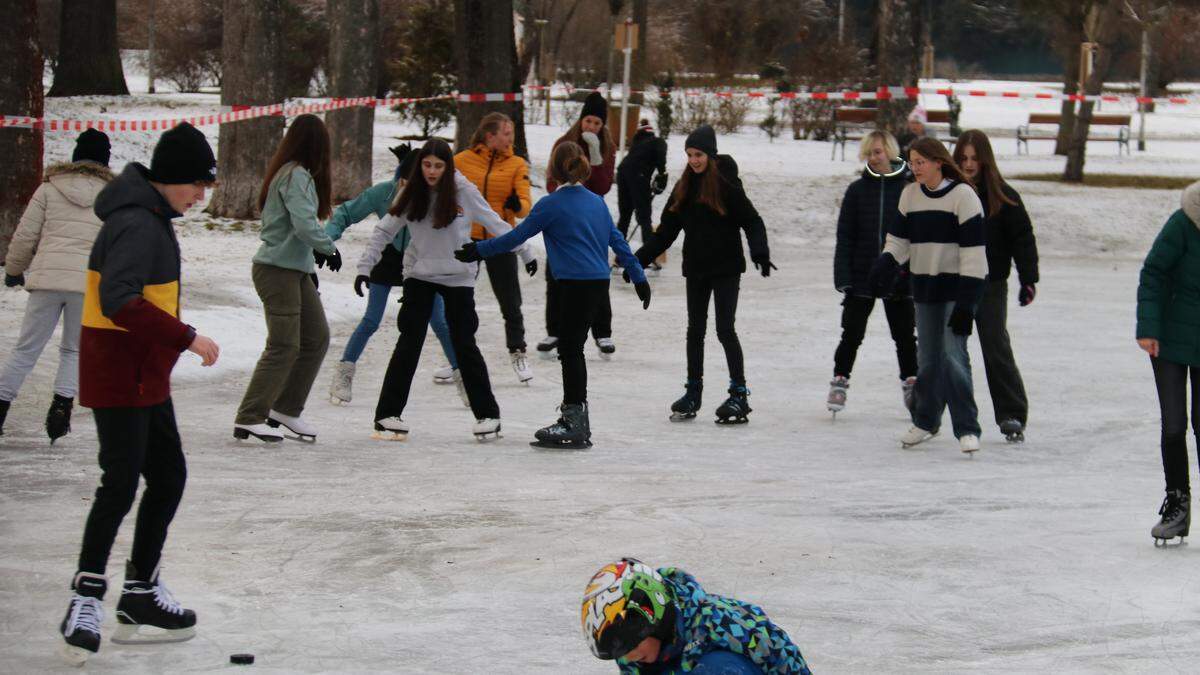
(92, 146)
(703, 139)
(183, 156)
(595, 104)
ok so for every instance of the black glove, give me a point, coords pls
(1027, 294)
(315, 280)
(764, 265)
(10, 280)
(531, 267)
(360, 281)
(625, 275)
(643, 292)
(333, 261)
(659, 185)
(961, 320)
(882, 276)
(513, 203)
(468, 253)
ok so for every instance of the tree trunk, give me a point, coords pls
(20, 94)
(251, 64)
(1070, 86)
(89, 62)
(898, 60)
(1103, 24)
(353, 36)
(486, 52)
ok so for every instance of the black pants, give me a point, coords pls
(1171, 379)
(415, 310)
(504, 275)
(724, 293)
(1003, 377)
(901, 321)
(581, 301)
(134, 443)
(601, 322)
(633, 197)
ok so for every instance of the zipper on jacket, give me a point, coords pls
(488, 174)
(882, 189)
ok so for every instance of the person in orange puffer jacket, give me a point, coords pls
(503, 179)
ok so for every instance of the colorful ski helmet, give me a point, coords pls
(624, 603)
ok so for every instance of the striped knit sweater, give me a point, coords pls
(940, 234)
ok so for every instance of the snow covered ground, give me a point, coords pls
(443, 555)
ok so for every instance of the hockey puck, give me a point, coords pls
(241, 659)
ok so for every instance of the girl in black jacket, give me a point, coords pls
(1009, 239)
(710, 206)
(868, 211)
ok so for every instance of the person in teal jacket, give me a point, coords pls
(1168, 329)
(388, 273)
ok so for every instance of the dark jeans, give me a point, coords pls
(943, 373)
(1003, 377)
(1171, 379)
(601, 322)
(581, 302)
(503, 273)
(415, 310)
(633, 197)
(901, 320)
(134, 443)
(724, 294)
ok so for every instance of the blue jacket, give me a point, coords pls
(578, 230)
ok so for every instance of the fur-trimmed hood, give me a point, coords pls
(74, 180)
(1190, 202)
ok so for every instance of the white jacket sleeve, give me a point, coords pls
(385, 232)
(28, 234)
(476, 209)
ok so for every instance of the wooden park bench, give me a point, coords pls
(851, 124)
(1024, 134)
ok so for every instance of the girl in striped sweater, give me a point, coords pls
(940, 234)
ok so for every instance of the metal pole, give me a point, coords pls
(841, 19)
(1145, 87)
(150, 49)
(625, 89)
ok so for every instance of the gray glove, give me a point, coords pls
(593, 143)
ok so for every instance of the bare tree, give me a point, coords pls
(353, 34)
(250, 65)
(896, 57)
(1100, 27)
(20, 94)
(90, 62)
(486, 53)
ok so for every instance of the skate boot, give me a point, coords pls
(304, 432)
(915, 436)
(547, 347)
(80, 628)
(735, 408)
(689, 404)
(343, 383)
(1013, 430)
(259, 432)
(606, 346)
(58, 419)
(571, 431)
(1176, 512)
(462, 389)
(148, 612)
(486, 429)
(909, 389)
(444, 375)
(520, 366)
(3, 414)
(969, 444)
(836, 402)
(390, 429)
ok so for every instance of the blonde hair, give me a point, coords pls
(890, 146)
(568, 165)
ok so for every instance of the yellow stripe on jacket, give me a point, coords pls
(163, 296)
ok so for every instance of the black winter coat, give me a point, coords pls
(647, 152)
(712, 245)
(1010, 239)
(869, 209)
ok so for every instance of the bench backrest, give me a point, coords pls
(1101, 120)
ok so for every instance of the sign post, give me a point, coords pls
(626, 41)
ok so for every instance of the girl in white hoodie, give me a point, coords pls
(437, 206)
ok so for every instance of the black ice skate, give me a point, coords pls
(572, 431)
(149, 613)
(80, 628)
(735, 408)
(58, 419)
(3, 414)
(1176, 512)
(1013, 430)
(689, 404)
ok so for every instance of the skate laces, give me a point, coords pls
(87, 613)
(164, 599)
(1171, 506)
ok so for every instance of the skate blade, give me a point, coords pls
(294, 435)
(906, 446)
(549, 354)
(1015, 438)
(682, 417)
(1160, 542)
(389, 436)
(570, 445)
(302, 438)
(731, 421)
(605, 357)
(75, 656)
(488, 437)
(337, 401)
(137, 634)
(243, 435)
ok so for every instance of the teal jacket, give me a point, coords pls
(1168, 296)
(374, 200)
(290, 228)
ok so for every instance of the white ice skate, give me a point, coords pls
(915, 436)
(486, 429)
(606, 347)
(969, 444)
(462, 389)
(444, 375)
(259, 432)
(343, 383)
(390, 429)
(520, 366)
(304, 432)
(836, 402)
(547, 346)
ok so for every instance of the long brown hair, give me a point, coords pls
(414, 199)
(932, 149)
(989, 174)
(490, 124)
(307, 144)
(709, 191)
(608, 146)
(568, 165)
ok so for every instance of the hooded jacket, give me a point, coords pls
(647, 153)
(497, 174)
(869, 210)
(54, 238)
(1168, 295)
(132, 335)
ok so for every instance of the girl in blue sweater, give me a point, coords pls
(578, 231)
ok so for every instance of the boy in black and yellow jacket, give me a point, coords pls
(130, 341)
